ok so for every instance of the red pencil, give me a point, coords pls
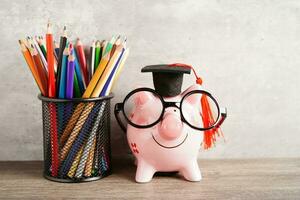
(52, 107)
(50, 61)
(82, 60)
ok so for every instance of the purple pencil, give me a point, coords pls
(70, 76)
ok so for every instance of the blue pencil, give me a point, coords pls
(63, 77)
(111, 74)
(81, 83)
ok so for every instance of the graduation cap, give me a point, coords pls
(167, 79)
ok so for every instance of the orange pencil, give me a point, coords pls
(31, 66)
(39, 67)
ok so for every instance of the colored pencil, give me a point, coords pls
(50, 61)
(40, 41)
(87, 109)
(114, 46)
(79, 109)
(82, 60)
(75, 163)
(62, 45)
(107, 71)
(89, 144)
(40, 69)
(79, 74)
(76, 130)
(103, 47)
(62, 71)
(63, 76)
(92, 60)
(109, 45)
(41, 55)
(56, 51)
(98, 73)
(101, 50)
(97, 55)
(77, 93)
(52, 94)
(117, 73)
(70, 77)
(88, 166)
(31, 66)
(110, 75)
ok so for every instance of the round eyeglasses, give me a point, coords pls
(144, 108)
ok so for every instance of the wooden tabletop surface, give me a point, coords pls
(222, 179)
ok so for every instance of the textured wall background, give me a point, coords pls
(246, 51)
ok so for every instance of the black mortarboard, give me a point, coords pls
(167, 79)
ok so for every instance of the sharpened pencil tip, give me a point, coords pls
(49, 27)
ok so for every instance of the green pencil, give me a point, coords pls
(97, 55)
(109, 45)
(42, 46)
(76, 90)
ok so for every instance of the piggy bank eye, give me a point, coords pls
(143, 108)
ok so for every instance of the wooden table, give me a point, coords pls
(222, 179)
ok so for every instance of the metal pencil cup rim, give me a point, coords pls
(92, 136)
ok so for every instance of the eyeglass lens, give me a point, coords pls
(143, 108)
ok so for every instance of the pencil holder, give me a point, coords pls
(76, 136)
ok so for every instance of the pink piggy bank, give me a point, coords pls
(165, 133)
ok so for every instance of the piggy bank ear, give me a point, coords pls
(193, 99)
(140, 98)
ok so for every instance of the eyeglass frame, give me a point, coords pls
(120, 107)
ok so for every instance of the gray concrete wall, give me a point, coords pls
(246, 51)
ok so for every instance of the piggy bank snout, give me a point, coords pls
(171, 126)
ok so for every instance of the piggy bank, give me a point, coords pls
(167, 146)
(165, 133)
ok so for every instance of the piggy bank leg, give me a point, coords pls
(191, 172)
(144, 172)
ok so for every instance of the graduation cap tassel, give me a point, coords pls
(207, 115)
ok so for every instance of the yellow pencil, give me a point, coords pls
(118, 72)
(97, 75)
(75, 163)
(88, 165)
(107, 72)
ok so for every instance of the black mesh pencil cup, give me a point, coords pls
(76, 135)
